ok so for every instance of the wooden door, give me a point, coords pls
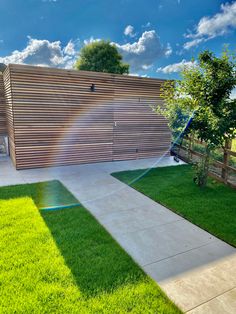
(126, 131)
(138, 131)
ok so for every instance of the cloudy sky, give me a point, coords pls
(156, 37)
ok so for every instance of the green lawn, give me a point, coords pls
(212, 208)
(64, 261)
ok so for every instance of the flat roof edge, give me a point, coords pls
(11, 65)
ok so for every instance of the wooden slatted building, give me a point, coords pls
(61, 117)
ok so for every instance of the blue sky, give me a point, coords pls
(155, 36)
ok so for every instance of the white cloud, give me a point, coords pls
(138, 75)
(146, 67)
(129, 31)
(177, 67)
(168, 50)
(148, 24)
(134, 74)
(44, 53)
(141, 54)
(193, 43)
(217, 25)
(91, 40)
(144, 52)
(70, 49)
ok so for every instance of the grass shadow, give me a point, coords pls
(97, 262)
(44, 194)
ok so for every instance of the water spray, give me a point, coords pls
(176, 158)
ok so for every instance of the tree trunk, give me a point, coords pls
(202, 169)
(190, 147)
(206, 164)
(224, 174)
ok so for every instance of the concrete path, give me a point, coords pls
(195, 269)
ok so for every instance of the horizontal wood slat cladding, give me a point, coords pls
(55, 119)
(3, 126)
(58, 120)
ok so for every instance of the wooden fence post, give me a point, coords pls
(225, 172)
(191, 146)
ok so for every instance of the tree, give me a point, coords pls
(200, 104)
(101, 56)
(2, 67)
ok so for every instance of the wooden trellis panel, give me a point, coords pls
(55, 119)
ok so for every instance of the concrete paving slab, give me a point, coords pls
(11, 181)
(223, 304)
(92, 193)
(121, 199)
(201, 285)
(136, 219)
(172, 268)
(163, 241)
